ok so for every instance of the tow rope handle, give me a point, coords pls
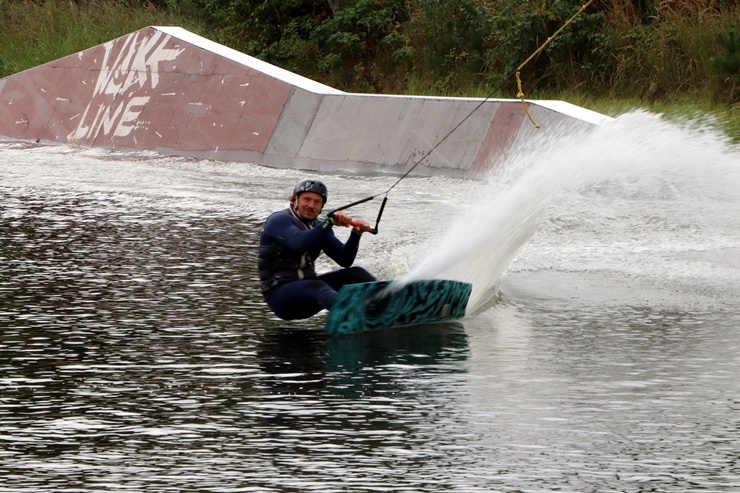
(362, 201)
(380, 214)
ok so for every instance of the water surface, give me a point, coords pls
(136, 353)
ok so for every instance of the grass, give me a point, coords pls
(690, 109)
(34, 33)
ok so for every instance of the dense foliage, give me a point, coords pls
(650, 49)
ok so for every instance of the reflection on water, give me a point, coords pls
(136, 355)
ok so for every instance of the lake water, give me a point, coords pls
(601, 354)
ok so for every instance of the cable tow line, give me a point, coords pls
(408, 171)
(426, 155)
(520, 94)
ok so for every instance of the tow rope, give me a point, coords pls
(520, 95)
(539, 50)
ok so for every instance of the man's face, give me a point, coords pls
(309, 205)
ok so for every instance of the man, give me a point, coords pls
(291, 241)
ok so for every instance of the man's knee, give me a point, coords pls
(324, 294)
(301, 299)
(359, 274)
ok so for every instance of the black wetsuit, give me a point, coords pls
(288, 249)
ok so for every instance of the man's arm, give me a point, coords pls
(342, 253)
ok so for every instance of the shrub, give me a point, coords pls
(727, 65)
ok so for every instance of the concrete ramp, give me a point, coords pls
(167, 90)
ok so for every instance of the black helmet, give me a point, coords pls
(310, 185)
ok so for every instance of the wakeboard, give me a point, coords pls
(379, 305)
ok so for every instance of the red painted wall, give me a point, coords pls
(146, 90)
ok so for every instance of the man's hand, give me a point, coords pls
(341, 219)
(358, 225)
(361, 226)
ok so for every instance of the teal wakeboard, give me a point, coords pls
(371, 306)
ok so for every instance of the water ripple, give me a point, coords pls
(136, 354)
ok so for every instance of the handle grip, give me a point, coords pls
(362, 201)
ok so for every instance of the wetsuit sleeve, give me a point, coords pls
(281, 229)
(342, 253)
